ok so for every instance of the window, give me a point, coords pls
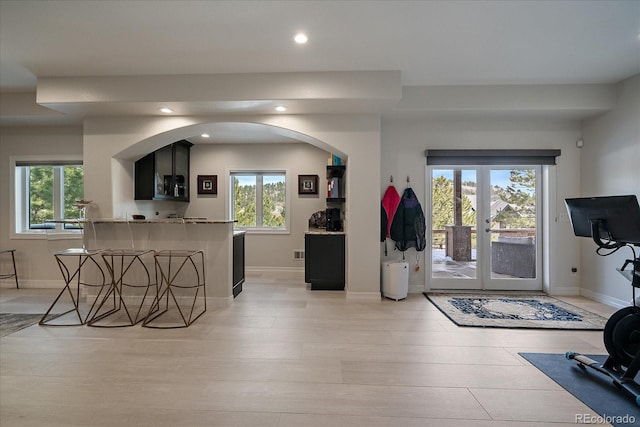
(259, 200)
(46, 190)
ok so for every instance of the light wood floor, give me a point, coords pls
(282, 355)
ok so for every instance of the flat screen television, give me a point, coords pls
(617, 218)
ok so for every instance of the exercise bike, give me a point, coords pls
(614, 223)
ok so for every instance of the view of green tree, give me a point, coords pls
(273, 201)
(442, 205)
(41, 192)
(520, 195)
(244, 203)
(73, 189)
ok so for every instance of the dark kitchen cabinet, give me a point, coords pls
(164, 174)
(238, 263)
(324, 261)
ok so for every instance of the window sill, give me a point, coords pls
(42, 235)
(264, 231)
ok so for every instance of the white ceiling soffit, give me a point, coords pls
(302, 93)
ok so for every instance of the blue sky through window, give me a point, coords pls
(249, 180)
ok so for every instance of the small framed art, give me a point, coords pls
(307, 184)
(207, 184)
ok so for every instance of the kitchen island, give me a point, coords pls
(214, 237)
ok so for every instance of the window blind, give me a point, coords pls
(48, 162)
(491, 157)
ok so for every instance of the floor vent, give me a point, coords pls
(298, 254)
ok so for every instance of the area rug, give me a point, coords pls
(12, 322)
(514, 311)
(590, 387)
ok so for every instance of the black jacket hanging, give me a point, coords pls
(408, 226)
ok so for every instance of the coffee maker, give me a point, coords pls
(334, 223)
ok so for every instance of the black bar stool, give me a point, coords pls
(14, 274)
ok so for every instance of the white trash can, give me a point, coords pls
(395, 279)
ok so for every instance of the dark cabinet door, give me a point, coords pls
(164, 174)
(324, 261)
(238, 263)
(181, 170)
(144, 177)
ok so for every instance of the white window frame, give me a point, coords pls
(18, 202)
(259, 229)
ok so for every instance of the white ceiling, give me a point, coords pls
(429, 42)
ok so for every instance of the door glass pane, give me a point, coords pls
(513, 223)
(453, 223)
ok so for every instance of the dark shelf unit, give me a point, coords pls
(324, 264)
(336, 174)
(164, 174)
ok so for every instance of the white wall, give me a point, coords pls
(611, 166)
(375, 150)
(109, 174)
(262, 250)
(111, 145)
(404, 140)
(34, 263)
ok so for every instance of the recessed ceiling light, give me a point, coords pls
(280, 108)
(205, 135)
(300, 38)
(166, 110)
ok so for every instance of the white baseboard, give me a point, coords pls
(219, 301)
(33, 284)
(564, 291)
(262, 269)
(288, 273)
(605, 299)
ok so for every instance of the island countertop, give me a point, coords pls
(322, 231)
(162, 221)
(141, 221)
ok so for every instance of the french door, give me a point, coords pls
(485, 227)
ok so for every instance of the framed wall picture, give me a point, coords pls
(307, 184)
(207, 184)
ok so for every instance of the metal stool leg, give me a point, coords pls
(168, 295)
(70, 277)
(13, 262)
(120, 264)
